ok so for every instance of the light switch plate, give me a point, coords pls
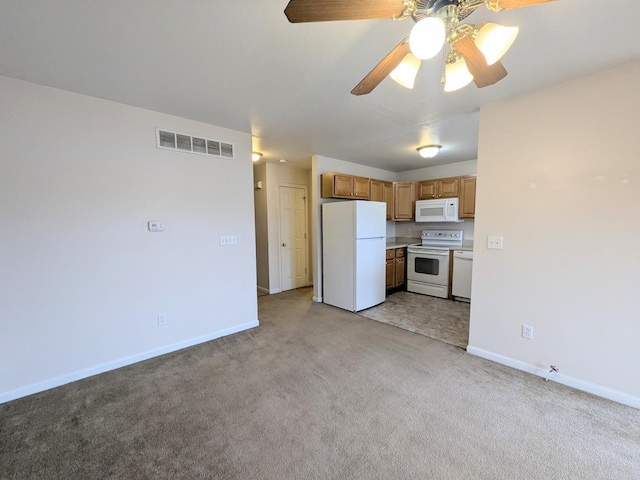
(228, 240)
(495, 243)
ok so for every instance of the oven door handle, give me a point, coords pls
(441, 253)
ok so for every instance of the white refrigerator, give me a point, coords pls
(353, 254)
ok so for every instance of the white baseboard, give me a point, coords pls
(123, 362)
(558, 377)
(317, 299)
(275, 290)
(263, 289)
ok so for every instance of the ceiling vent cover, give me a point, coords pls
(186, 143)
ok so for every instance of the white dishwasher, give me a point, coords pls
(462, 267)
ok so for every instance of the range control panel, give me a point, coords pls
(445, 238)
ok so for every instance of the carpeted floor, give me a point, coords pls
(439, 318)
(317, 393)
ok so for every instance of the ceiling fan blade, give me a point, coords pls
(509, 4)
(483, 74)
(382, 69)
(299, 11)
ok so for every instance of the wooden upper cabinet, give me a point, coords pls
(376, 192)
(337, 185)
(381, 191)
(440, 188)
(403, 201)
(427, 190)
(387, 196)
(467, 207)
(361, 188)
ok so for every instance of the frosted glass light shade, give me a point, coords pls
(494, 40)
(456, 75)
(429, 151)
(427, 37)
(405, 73)
(255, 156)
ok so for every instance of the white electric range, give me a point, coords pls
(428, 262)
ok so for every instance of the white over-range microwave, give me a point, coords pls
(441, 210)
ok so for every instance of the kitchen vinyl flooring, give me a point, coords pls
(438, 318)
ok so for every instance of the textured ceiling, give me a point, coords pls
(241, 65)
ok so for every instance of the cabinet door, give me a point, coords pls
(427, 190)
(361, 188)
(467, 197)
(390, 280)
(399, 271)
(342, 186)
(403, 201)
(387, 196)
(376, 191)
(448, 187)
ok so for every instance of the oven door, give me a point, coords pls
(428, 266)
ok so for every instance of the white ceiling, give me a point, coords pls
(242, 65)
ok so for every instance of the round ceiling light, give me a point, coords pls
(255, 156)
(429, 151)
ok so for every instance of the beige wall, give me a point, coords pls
(82, 280)
(559, 178)
(262, 229)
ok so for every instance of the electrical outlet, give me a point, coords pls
(527, 332)
(162, 319)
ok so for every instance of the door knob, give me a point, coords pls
(284, 244)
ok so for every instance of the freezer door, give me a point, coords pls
(371, 219)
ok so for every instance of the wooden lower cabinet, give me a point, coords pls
(391, 268)
(396, 267)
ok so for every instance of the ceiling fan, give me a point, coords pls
(474, 51)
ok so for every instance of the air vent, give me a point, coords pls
(186, 143)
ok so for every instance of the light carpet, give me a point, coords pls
(317, 393)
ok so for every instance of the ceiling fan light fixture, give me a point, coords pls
(427, 37)
(405, 73)
(494, 40)
(456, 73)
(255, 156)
(429, 151)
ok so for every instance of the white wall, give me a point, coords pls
(320, 165)
(82, 280)
(458, 169)
(282, 175)
(559, 178)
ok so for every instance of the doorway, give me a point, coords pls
(293, 237)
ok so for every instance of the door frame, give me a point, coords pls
(306, 231)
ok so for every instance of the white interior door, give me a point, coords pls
(293, 237)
